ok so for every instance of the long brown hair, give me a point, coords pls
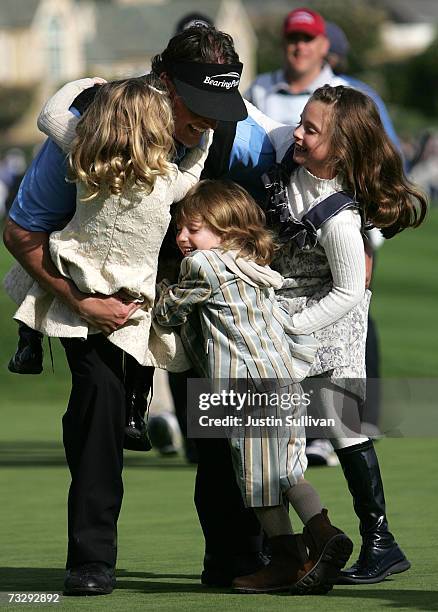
(229, 211)
(124, 136)
(371, 166)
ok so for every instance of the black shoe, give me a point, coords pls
(28, 358)
(375, 564)
(380, 555)
(221, 570)
(89, 579)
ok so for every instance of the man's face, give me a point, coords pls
(189, 127)
(305, 54)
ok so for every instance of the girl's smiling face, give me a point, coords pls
(312, 140)
(194, 234)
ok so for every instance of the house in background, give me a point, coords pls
(44, 43)
(40, 41)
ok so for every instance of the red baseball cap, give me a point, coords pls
(306, 21)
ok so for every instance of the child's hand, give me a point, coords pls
(161, 287)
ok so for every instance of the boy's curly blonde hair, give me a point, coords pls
(125, 136)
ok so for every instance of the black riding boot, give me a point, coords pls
(138, 382)
(28, 358)
(379, 555)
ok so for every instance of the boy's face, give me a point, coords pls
(195, 235)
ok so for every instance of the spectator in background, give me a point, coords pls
(338, 59)
(12, 169)
(283, 94)
(193, 20)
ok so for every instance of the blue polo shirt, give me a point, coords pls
(45, 201)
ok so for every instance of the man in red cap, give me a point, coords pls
(283, 94)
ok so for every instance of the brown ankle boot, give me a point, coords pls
(329, 550)
(289, 562)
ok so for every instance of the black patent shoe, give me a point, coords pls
(375, 564)
(28, 358)
(89, 579)
(221, 570)
(136, 431)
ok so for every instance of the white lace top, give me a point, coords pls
(111, 243)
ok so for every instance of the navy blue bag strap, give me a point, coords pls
(304, 232)
(278, 212)
(329, 207)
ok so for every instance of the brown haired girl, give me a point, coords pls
(341, 173)
(226, 282)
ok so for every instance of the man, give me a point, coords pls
(93, 425)
(315, 54)
(283, 94)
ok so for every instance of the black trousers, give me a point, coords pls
(228, 526)
(93, 432)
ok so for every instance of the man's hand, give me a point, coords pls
(107, 313)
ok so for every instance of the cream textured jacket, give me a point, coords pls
(111, 243)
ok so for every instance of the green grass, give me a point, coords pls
(160, 542)
(405, 300)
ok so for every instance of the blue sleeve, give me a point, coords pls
(45, 201)
(252, 154)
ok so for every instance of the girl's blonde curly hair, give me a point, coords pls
(125, 136)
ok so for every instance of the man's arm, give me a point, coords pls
(31, 250)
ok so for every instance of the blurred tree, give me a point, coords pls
(14, 102)
(359, 20)
(414, 82)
